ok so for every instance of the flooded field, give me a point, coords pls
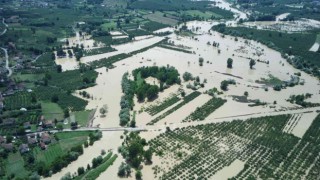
(287, 26)
(214, 70)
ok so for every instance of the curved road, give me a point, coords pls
(5, 50)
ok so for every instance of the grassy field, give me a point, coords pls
(67, 144)
(45, 93)
(51, 111)
(158, 17)
(76, 79)
(108, 26)
(67, 140)
(82, 117)
(202, 14)
(49, 155)
(15, 165)
(27, 77)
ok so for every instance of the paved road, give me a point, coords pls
(5, 30)
(160, 127)
(7, 61)
(5, 50)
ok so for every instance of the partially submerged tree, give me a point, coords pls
(229, 63)
(252, 63)
(103, 110)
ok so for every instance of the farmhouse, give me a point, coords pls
(23, 148)
(27, 125)
(9, 122)
(32, 140)
(7, 146)
(2, 140)
(45, 138)
(42, 146)
(47, 124)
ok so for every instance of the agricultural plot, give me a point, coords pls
(45, 93)
(153, 26)
(83, 117)
(45, 60)
(204, 111)
(108, 26)
(292, 122)
(67, 140)
(19, 100)
(298, 124)
(186, 100)
(203, 150)
(31, 116)
(76, 79)
(160, 18)
(28, 77)
(15, 165)
(49, 155)
(137, 32)
(51, 111)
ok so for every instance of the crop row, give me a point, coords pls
(204, 111)
(186, 99)
(155, 109)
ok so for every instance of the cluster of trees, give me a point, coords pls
(300, 100)
(229, 63)
(166, 75)
(252, 63)
(78, 52)
(147, 91)
(267, 17)
(60, 52)
(126, 102)
(225, 83)
(134, 152)
(187, 76)
(201, 61)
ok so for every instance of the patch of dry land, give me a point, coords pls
(196, 136)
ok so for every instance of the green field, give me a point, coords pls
(48, 156)
(15, 165)
(19, 100)
(51, 111)
(82, 117)
(27, 77)
(202, 14)
(158, 17)
(108, 26)
(45, 93)
(67, 140)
